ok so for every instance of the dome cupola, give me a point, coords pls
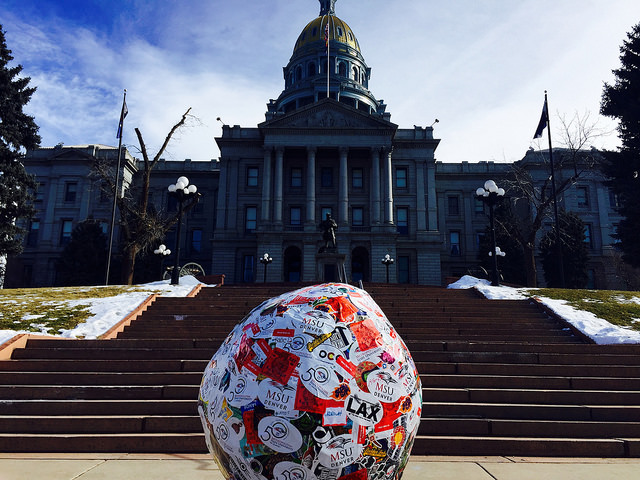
(326, 44)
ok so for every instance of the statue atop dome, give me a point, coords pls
(327, 7)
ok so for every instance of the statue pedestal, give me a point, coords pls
(330, 267)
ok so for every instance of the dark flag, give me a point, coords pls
(544, 120)
(123, 114)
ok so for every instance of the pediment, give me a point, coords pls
(328, 114)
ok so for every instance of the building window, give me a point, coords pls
(251, 219)
(357, 178)
(172, 203)
(479, 239)
(454, 244)
(478, 206)
(40, 192)
(252, 176)
(34, 230)
(403, 269)
(453, 205)
(196, 241)
(401, 177)
(296, 178)
(402, 220)
(295, 214)
(70, 191)
(357, 216)
(614, 200)
(65, 232)
(326, 211)
(588, 239)
(248, 268)
(105, 194)
(326, 177)
(582, 194)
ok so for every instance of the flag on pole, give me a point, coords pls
(544, 120)
(123, 114)
(326, 34)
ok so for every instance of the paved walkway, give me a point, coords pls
(201, 467)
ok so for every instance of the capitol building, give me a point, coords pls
(327, 147)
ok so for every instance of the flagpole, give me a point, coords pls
(115, 191)
(328, 47)
(555, 199)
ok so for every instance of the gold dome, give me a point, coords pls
(339, 31)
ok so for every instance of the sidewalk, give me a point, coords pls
(201, 467)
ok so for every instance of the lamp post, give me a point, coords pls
(386, 261)
(491, 194)
(163, 251)
(265, 260)
(181, 191)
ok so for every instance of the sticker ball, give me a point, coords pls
(313, 384)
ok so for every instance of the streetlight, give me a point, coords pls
(265, 260)
(491, 194)
(386, 261)
(163, 251)
(181, 191)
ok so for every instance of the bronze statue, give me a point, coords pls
(328, 226)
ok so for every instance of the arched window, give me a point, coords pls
(312, 70)
(355, 73)
(342, 69)
(298, 73)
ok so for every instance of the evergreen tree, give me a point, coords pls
(574, 252)
(83, 261)
(18, 132)
(622, 101)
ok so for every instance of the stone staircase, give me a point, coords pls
(499, 378)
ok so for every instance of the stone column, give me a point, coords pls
(432, 205)
(311, 185)
(375, 186)
(277, 214)
(388, 182)
(222, 196)
(421, 207)
(343, 195)
(266, 186)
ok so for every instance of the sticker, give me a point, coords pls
(292, 471)
(367, 335)
(384, 386)
(334, 416)
(243, 389)
(315, 322)
(276, 396)
(280, 365)
(339, 452)
(364, 408)
(319, 378)
(229, 433)
(280, 435)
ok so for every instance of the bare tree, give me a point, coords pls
(529, 187)
(141, 226)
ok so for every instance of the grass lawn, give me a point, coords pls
(618, 307)
(49, 310)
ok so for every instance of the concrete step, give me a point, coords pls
(98, 407)
(94, 424)
(115, 443)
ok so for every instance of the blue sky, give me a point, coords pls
(480, 67)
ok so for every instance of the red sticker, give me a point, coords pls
(367, 335)
(280, 365)
(264, 346)
(347, 365)
(343, 308)
(249, 428)
(357, 475)
(284, 332)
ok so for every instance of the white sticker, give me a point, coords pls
(384, 386)
(243, 389)
(364, 408)
(339, 452)
(279, 435)
(315, 322)
(278, 397)
(334, 416)
(292, 471)
(320, 379)
(229, 433)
